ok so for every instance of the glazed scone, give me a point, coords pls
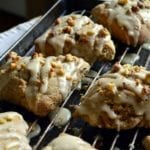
(146, 142)
(9, 120)
(78, 35)
(127, 20)
(13, 130)
(68, 142)
(119, 99)
(39, 84)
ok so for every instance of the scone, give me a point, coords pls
(68, 142)
(127, 20)
(13, 130)
(39, 84)
(118, 100)
(78, 35)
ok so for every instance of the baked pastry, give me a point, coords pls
(118, 100)
(13, 130)
(9, 120)
(78, 35)
(68, 142)
(127, 20)
(39, 84)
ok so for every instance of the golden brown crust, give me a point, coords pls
(134, 13)
(39, 84)
(77, 35)
(119, 100)
(49, 50)
(40, 105)
(115, 29)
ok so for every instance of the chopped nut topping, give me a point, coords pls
(60, 72)
(58, 21)
(110, 86)
(2, 121)
(5, 120)
(69, 58)
(101, 91)
(104, 32)
(51, 34)
(135, 8)
(122, 2)
(137, 81)
(83, 39)
(36, 55)
(67, 30)
(90, 33)
(128, 69)
(9, 118)
(56, 65)
(137, 68)
(13, 66)
(59, 65)
(23, 66)
(69, 78)
(15, 58)
(12, 55)
(70, 22)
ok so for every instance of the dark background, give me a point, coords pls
(10, 16)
